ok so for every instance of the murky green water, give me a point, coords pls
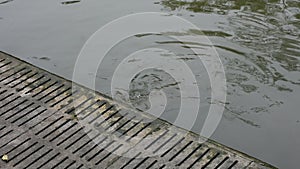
(258, 42)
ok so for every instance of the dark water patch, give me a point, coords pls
(213, 33)
(186, 58)
(191, 47)
(145, 34)
(293, 3)
(197, 32)
(249, 88)
(219, 6)
(230, 49)
(249, 122)
(42, 58)
(183, 42)
(133, 60)
(69, 2)
(4, 2)
(238, 115)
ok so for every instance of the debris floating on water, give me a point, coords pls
(5, 157)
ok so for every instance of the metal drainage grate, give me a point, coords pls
(46, 124)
